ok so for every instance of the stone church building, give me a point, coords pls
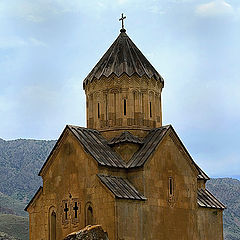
(124, 171)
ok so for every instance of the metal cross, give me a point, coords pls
(122, 19)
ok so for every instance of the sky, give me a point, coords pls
(47, 48)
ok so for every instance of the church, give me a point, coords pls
(125, 171)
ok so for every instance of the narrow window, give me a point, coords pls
(75, 209)
(170, 186)
(115, 108)
(106, 109)
(125, 107)
(134, 103)
(150, 106)
(53, 226)
(89, 216)
(98, 107)
(66, 211)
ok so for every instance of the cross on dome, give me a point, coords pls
(122, 19)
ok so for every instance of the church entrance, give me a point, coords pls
(89, 215)
(53, 226)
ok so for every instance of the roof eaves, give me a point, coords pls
(207, 200)
(121, 188)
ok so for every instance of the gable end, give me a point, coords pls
(54, 151)
(35, 197)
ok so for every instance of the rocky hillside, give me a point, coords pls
(20, 162)
(228, 191)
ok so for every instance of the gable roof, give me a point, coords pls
(121, 187)
(94, 144)
(150, 142)
(123, 56)
(97, 146)
(125, 137)
(207, 200)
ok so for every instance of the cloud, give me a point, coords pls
(214, 9)
(37, 42)
(12, 42)
(122, 1)
(17, 42)
(156, 9)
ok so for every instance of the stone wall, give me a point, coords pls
(70, 177)
(118, 102)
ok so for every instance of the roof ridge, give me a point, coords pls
(125, 136)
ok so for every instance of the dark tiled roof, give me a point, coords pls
(206, 199)
(123, 56)
(39, 191)
(125, 137)
(96, 145)
(121, 187)
(150, 142)
(202, 175)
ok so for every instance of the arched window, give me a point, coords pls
(134, 103)
(106, 108)
(150, 109)
(170, 186)
(53, 226)
(89, 214)
(98, 110)
(125, 107)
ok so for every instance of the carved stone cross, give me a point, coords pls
(75, 208)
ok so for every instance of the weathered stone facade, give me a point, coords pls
(124, 102)
(143, 184)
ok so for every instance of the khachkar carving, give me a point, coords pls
(70, 211)
(124, 102)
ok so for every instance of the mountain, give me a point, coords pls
(228, 191)
(12, 206)
(20, 162)
(14, 227)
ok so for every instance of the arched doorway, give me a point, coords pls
(89, 214)
(53, 226)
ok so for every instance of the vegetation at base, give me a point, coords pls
(20, 162)
(12, 206)
(4, 236)
(14, 227)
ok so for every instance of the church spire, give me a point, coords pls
(123, 90)
(123, 56)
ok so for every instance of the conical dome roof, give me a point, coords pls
(123, 56)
